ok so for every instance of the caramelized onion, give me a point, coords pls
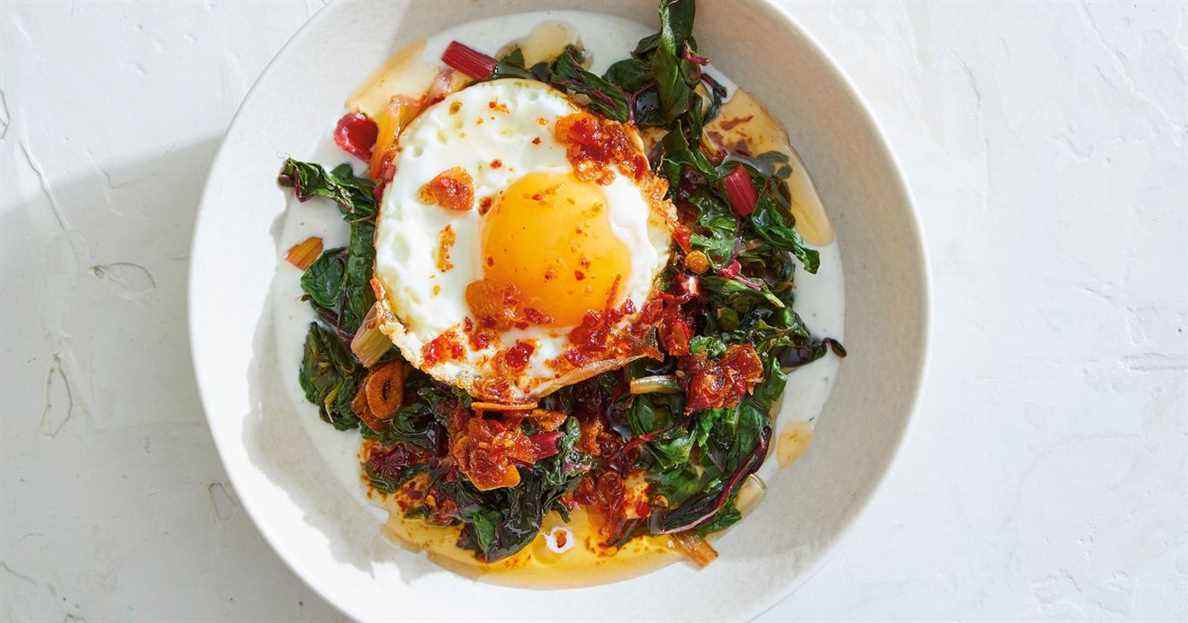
(385, 389)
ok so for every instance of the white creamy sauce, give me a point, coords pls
(820, 300)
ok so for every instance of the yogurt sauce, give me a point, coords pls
(606, 39)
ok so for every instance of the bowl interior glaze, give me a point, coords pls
(335, 545)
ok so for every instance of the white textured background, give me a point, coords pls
(1046, 474)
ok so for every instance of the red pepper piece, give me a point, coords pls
(356, 134)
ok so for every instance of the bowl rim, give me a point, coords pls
(828, 547)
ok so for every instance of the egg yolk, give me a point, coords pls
(550, 237)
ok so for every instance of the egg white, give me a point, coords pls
(472, 128)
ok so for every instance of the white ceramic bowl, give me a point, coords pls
(334, 544)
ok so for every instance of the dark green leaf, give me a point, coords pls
(629, 74)
(646, 46)
(606, 98)
(389, 484)
(768, 392)
(329, 376)
(677, 153)
(751, 420)
(672, 449)
(642, 417)
(671, 87)
(322, 281)
(569, 463)
(676, 23)
(646, 109)
(772, 221)
(482, 523)
(352, 194)
(512, 66)
(676, 485)
(706, 421)
(673, 84)
(356, 284)
(718, 228)
(735, 292)
(725, 518)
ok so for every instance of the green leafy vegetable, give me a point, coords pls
(694, 460)
(389, 484)
(322, 281)
(668, 64)
(708, 345)
(358, 296)
(329, 377)
(725, 518)
(606, 98)
(501, 522)
(630, 74)
(772, 220)
(718, 234)
(352, 194)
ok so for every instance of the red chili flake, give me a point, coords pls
(546, 444)
(716, 384)
(688, 287)
(501, 306)
(536, 141)
(518, 355)
(591, 336)
(452, 189)
(579, 275)
(479, 339)
(594, 146)
(442, 348)
(496, 164)
(606, 494)
(488, 450)
(388, 462)
(535, 316)
(675, 331)
(355, 134)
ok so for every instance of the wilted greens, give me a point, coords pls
(694, 424)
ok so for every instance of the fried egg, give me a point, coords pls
(496, 240)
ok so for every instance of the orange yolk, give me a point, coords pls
(550, 237)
